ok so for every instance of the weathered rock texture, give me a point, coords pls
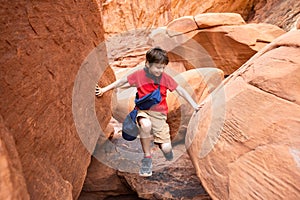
(102, 182)
(170, 180)
(250, 150)
(193, 7)
(12, 182)
(123, 16)
(127, 49)
(43, 44)
(277, 12)
(175, 180)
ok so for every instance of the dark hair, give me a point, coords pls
(157, 55)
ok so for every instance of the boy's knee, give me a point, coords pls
(145, 124)
(166, 147)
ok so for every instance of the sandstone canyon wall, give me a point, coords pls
(48, 123)
(43, 45)
(123, 16)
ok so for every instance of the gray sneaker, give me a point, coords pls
(146, 168)
(169, 156)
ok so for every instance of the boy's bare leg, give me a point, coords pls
(146, 168)
(145, 136)
(166, 147)
(167, 150)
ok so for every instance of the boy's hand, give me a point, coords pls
(98, 91)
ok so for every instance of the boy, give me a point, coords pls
(153, 121)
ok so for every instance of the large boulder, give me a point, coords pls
(182, 25)
(44, 45)
(222, 40)
(199, 83)
(245, 142)
(207, 20)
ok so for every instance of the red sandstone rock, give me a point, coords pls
(181, 25)
(245, 141)
(280, 13)
(207, 20)
(194, 7)
(102, 181)
(43, 46)
(199, 83)
(12, 182)
(174, 180)
(297, 23)
(40, 62)
(125, 16)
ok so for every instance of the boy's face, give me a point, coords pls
(156, 69)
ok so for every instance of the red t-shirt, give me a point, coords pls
(145, 85)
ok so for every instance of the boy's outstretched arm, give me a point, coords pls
(182, 92)
(118, 83)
